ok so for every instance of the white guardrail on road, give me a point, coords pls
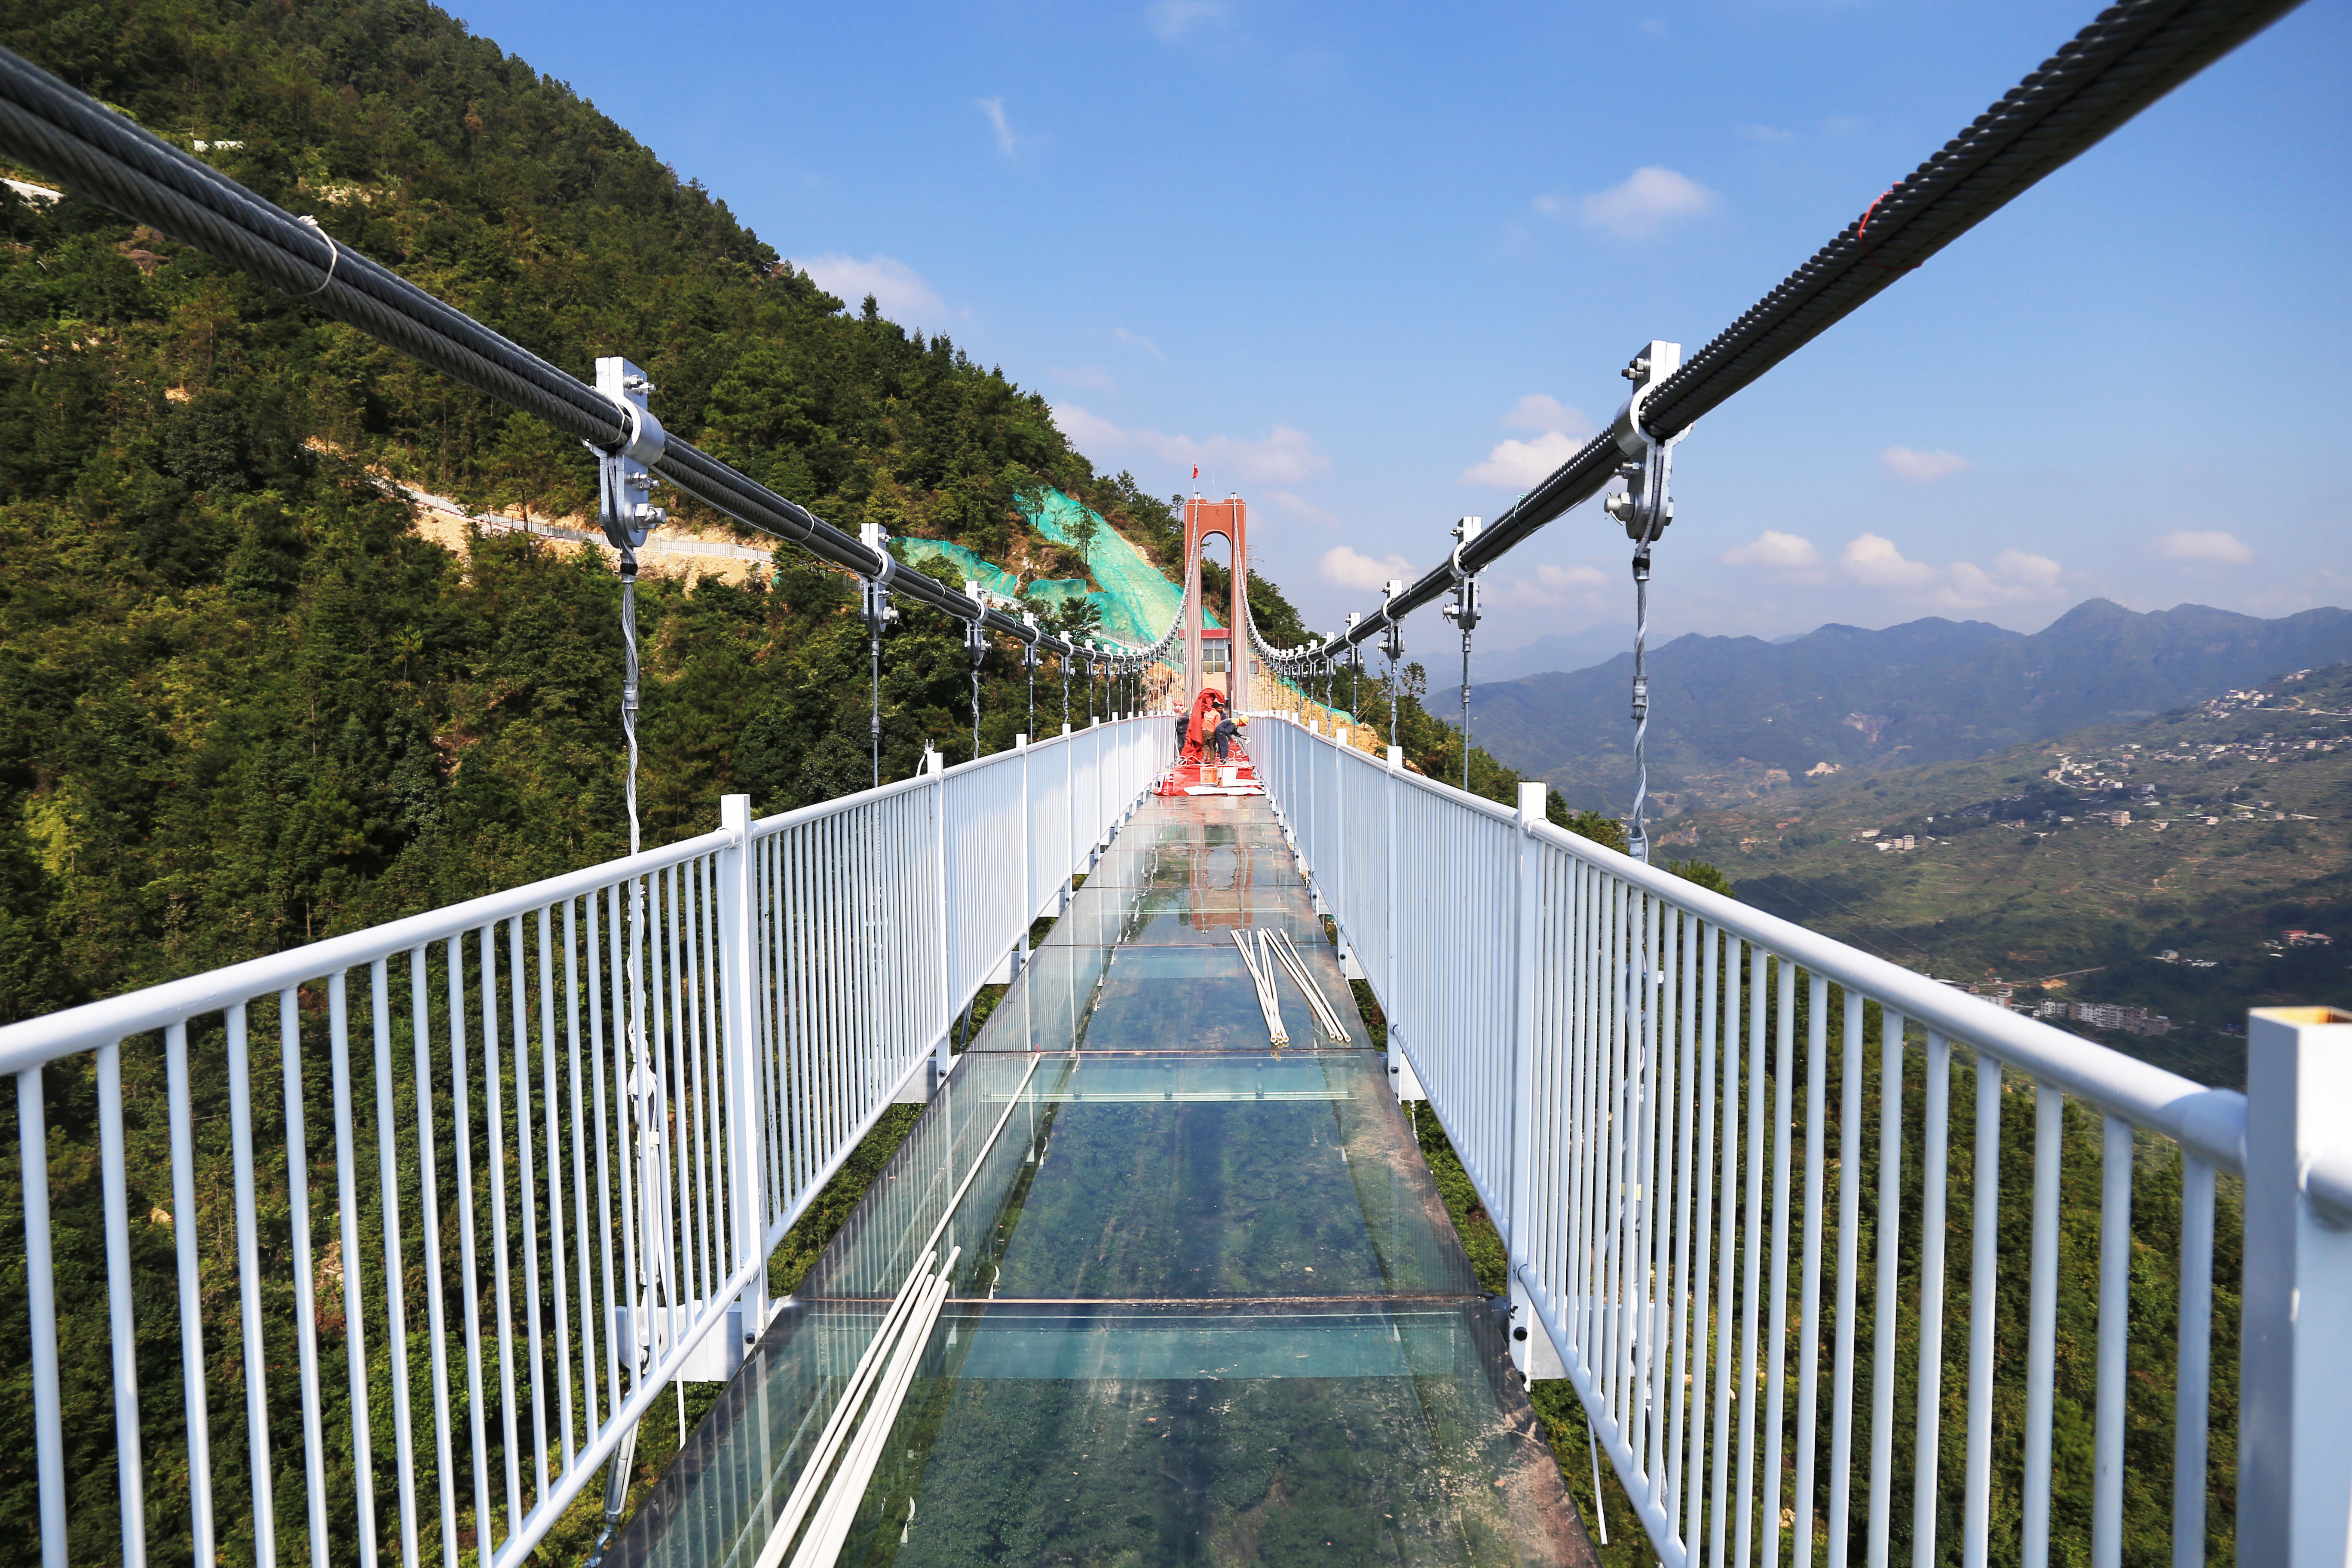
(1635, 1071)
(568, 1122)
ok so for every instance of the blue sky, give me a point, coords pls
(1375, 267)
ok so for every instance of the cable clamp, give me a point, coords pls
(1465, 530)
(873, 536)
(646, 439)
(975, 630)
(1648, 372)
(1644, 506)
(624, 471)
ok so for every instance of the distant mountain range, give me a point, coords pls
(1733, 717)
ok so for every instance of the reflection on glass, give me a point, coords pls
(1104, 917)
(1187, 1437)
(1209, 1307)
(1138, 997)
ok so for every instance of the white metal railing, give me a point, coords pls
(524, 1166)
(1671, 1104)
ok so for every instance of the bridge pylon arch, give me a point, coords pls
(1203, 520)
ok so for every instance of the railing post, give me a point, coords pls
(1028, 854)
(738, 935)
(1402, 1076)
(1531, 1348)
(943, 1049)
(2295, 1485)
(1340, 858)
(1100, 830)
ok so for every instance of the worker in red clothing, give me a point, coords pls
(1200, 724)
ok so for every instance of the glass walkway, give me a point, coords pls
(1201, 1302)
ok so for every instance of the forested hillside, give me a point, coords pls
(242, 703)
(245, 703)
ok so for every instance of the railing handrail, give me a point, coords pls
(1615, 1053)
(731, 1022)
(34, 1041)
(766, 826)
(2210, 1122)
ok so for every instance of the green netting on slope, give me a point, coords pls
(1135, 598)
(1059, 591)
(959, 565)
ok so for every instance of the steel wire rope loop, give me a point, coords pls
(335, 253)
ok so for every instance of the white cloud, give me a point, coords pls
(1173, 19)
(1299, 506)
(994, 108)
(1538, 412)
(1138, 341)
(1565, 579)
(1550, 585)
(2183, 545)
(1650, 198)
(1925, 468)
(1086, 430)
(1522, 465)
(1768, 134)
(1874, 562)
(1284, 456)
(2016, 576)
(1777, 552)
(898, 289)
(1349, 570)
(1009, 141)
(1094, 378)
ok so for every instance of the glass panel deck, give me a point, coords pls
(1209, 1307)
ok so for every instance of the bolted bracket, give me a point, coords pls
(1646, 507)
(879, 613)
(1393, 635)
(625, 476)
(1463, 612)
(975, 634)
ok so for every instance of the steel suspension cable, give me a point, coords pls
(50, 126)
(2129, 57)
